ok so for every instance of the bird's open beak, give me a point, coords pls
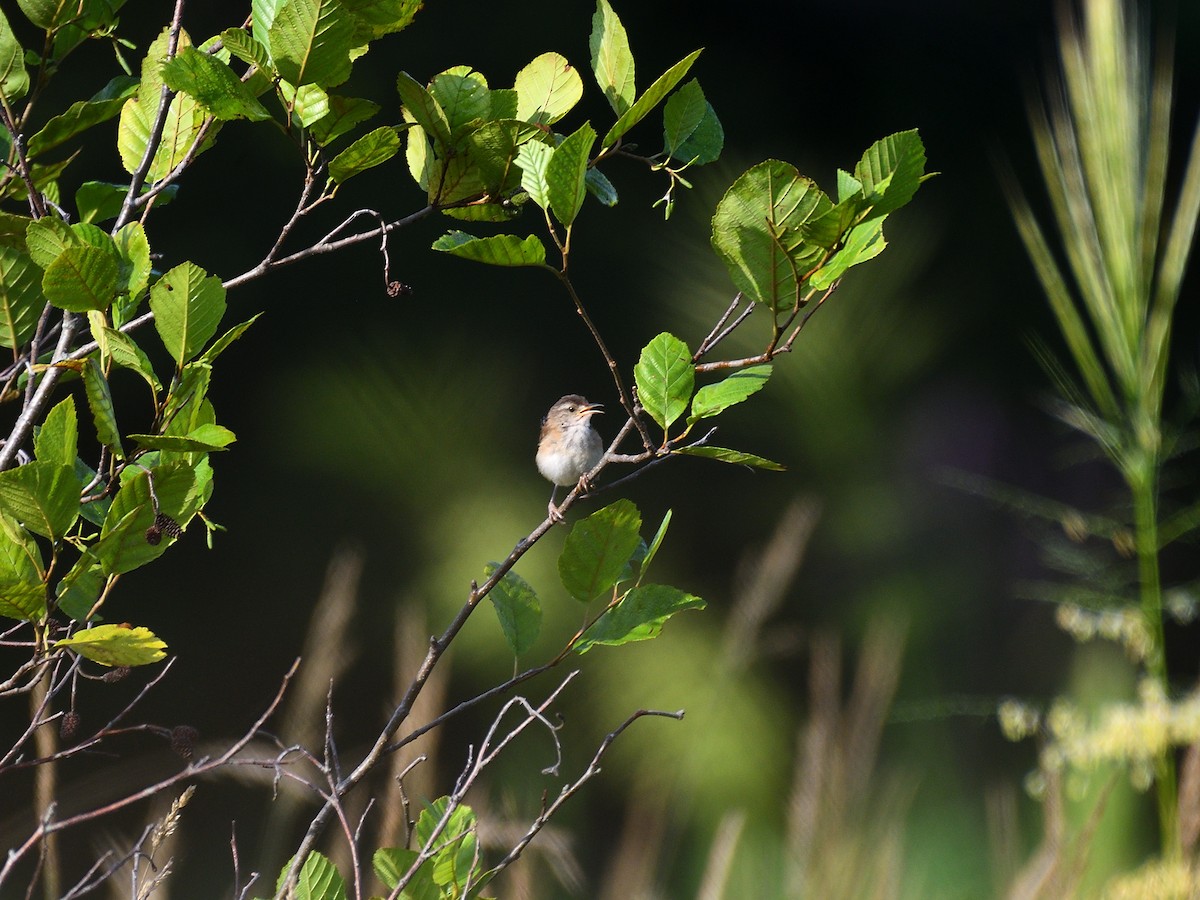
(592, 409)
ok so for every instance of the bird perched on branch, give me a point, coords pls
(569, 447)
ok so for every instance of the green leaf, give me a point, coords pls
(612, 61)
(21, 300)
(517, 608)
(547, 89)
(213, 84)
(715, 398)
(83, 277)
(116, 645)
(188, 305)
(392, 863)
(78, 590)
(133, 249)
(247, 48)
(463, 95)
(14, 80)
(534, 159)
(566, 171)
(97, 201)
(705, 142)
(757, 233)
(653, 96)
(376, 18)
(640, 616)
(221, 344)
(309, 103)
(735, 457)
(493, 147)
(22, 592)
(344, 114)
(865, 241)
(205, 438)
(425, 111)
(42, 496)
(48, 14)
(665, 377)
(452, 864)
(600, 187)
(652, 550)
(497, 250)
(597, 549)
(319, 879)
(310, 42)
(891, 170)
(99, 398)
(82, 115)
(848, 186)
(185, 117)
(123, 544)
(682, 116)
(57, 441)
(47, 238)
(370, 150)
(128, 355)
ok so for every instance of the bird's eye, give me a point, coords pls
(571, 408)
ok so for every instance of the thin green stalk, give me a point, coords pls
(1145, 511)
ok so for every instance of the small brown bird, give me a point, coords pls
(569, 447)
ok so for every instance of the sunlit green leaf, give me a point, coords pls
(640, 616)
(82, 277)
(370, 150)
(247, 48)
(890, 171)
(650, 99)
(116, 645)
(665, 377)
(714, 398)
(188, 305)
(426, 112)
(205, 438)
(344, 114)
(547, 89)
(21, 300)
(78, 590)
(756, 231)
(124, 543)
(22, 593)
(310, 42)
(534, 158)
(213, 84)
(865, 241)
(82, 115)
(14, 80)
(735, 457)
(463, 95)
(221, 344)
(42, 496)
(57, 441)
(612, 62)
(565, 173)
(99, 398)
(596, 550)
(517, 608)
(497, 250)
(453, 863)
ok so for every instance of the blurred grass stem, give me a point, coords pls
(1103, 138)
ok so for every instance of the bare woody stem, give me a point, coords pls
(626, 397)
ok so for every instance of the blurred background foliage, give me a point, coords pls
(401, 432)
